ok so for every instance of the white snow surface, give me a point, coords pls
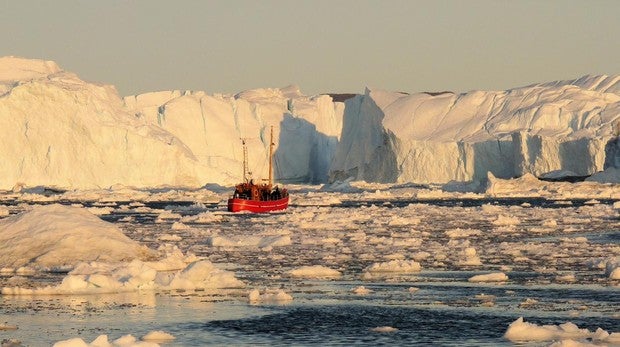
(57, 130)
(58, 237)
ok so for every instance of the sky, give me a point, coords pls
(322, 46)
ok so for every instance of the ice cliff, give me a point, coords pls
(57, 130)
(60, 131)
(566, 125)
(306, 129)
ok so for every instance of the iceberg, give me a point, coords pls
(59, 131)
(437, 138)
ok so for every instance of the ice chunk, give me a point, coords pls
(158, 336)
(136, 275)
(520, 330)
(316, 271)
(361, 290)
(399, 266)
(64, 236)
(492, 277)
(269, 296)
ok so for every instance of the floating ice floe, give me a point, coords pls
(492, 277)
(361, 290)
(392, 266)
(469, 257)
(566, 278)
(149, 340)
(421, 255)
(315, 271)
(462, 233)
(65, 236)
(179, 226)
(612, 268)
(506, 220)
(249, 241)
(520, 330)
(95, 277)
(169, 237)
(403, 221)
(529, 186)
(269, 296)
(158, 336)
(167, 216)
(203, 218)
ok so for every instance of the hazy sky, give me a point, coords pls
(319, 45)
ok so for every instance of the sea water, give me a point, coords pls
(548, 250)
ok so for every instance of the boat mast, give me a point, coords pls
(271, 144)
(245, 161)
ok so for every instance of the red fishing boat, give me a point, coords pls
(259, 198)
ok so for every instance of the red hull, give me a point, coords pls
(238, 205)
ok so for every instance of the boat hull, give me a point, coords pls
(238, 205)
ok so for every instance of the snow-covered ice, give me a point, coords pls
(314, 271)
(492, 277)
(520, 330)
(403, 266)
(58, 237)
(269, 296)
(149, 340)
(97, 278)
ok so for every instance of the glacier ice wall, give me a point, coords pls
(437, 138)
(57, 130)
(306, 129)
